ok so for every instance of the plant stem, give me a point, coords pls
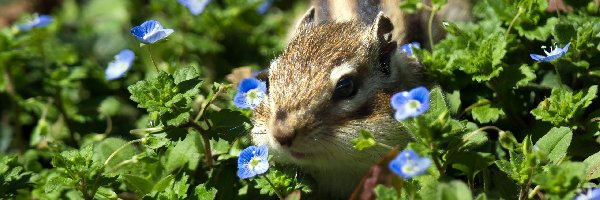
(273, 186)
(144, 130)
(220, 90)
(430, 24)
(560, 83)
(70, 124)
(206, 141)
(384, 145)
(152, 58)
(121, 148)
(558, 15)
(534, 191)
(521, 10)
(436, 160)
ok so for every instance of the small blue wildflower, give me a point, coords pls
(554, 53)
(253, 161)
(117, 68)
(409, 46)
(251, 92)
(410, 103)
(408, 164)
(36, 21)
(150, 32)
(194, 6)
(264, 6)
(591, 194)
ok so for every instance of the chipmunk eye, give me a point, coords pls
(345, 88)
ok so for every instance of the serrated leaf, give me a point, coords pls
(562, 106)
(560, 181)
(202, 193)
(473, 139)
(453, 101)
(182, 74)
(529, 76)
(57, 182)
(187, 151)
(385, 193)
(555, 143)
(486, 112)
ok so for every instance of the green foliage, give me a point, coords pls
(563, 106)
(168, 129)
(13, 176)
(364, 141)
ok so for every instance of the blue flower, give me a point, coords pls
(253, 161)
(150, 32)
(194, 6)
(117, 68)
(552, 55)
(264, 7)
(36, 21)
(408, 164)
(251, 92)
(409, 46)
(410, 104)
(591, 194)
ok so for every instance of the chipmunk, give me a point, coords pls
(336, 76)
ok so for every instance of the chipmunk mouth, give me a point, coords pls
(299, 155)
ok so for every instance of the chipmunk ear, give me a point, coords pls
(308, 19)
(382, 33)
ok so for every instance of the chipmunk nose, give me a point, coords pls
(285, 139)
(284, 135)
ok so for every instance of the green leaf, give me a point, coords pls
(593, 163)
(385, 193)
(455, 190)
(529, 76)
(182, 74)
(364, 141)
(163, 183)
(486, 113)
(202, 193)
(563, 106)
(561, 181)
(187, 151)
(139, 184)
(453, 101)
(228, 124)
(110, 106)
(57, 182)
(108, 146)
(555, 143)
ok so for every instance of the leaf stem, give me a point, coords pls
(152, 58)
(430, 24)
(534, 191)
(140, 131)
(521, 11)
(436, 160)
(206, 141)
(273, 186)
(121, 148)
(202, 110)
(384, 145)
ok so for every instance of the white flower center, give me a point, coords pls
(410, 167)
(254, 96)
(412, 105)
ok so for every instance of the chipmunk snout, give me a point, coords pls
(284, 128)
(284, 135)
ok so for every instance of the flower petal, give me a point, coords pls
(537, 57)
(245, 172)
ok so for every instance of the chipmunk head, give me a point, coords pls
(332, 80)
